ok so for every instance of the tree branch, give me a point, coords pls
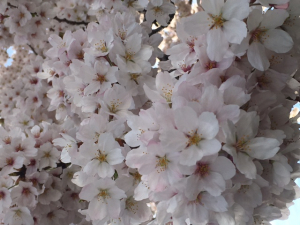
(32, 49)
(162, 27)
(71, 22)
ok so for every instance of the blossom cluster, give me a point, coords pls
(99, 126)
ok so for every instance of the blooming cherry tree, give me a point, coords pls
(148, 112)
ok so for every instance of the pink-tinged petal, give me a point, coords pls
(92, 88)
(144, 54)
(228, 112)
(229, 131)
(235, 31)
(88, 192)
(257, 56)
(225, 218)
(185, 119)
(165, 85)
(238, 9)
(214, 184)
(247, 126)
(274, 18)
(217, 44)
(153, 95)
(245, 165)
(115, 156)
(212, 6)
(194, 185)
(197, 213)
(254, 19)
(211, 99)
(190, 156)
(223, 166)
(113, 207)
(116, 193)
(262, 148)
(105, 170)
(91, 167)
(133, 44)
(217, 204)
(210, 147)
(106, 142)
(281, 175)
(141, 192)
(198, 23)
(97, 209)
(173, 139)
(208, 125)
(134, 157)
(278, 41)
(133, 67)
(132, 138)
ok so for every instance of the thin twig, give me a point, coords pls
(12, 6)
(32, 49)
(71, 22)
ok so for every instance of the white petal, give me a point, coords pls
(245, 165)
(217, 44)
(214, 184)
(217, 204)
(274, 18)
(223, 166)
(190, 156)
(235, 31)
(210, 147)
(115, 157)
(238, 9)
(208, 125)
(213, 6)
(185, 119)
(254, 19)
(197, 24)
(97, 209)
(257, 56)
(278, 41)
(263, 148)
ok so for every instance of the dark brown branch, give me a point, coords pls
(71, 22)
(162, 27)
(32, 49)
(12, 6)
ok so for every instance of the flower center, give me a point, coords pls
(129, 56)
(47, 155)
(162, 163)
(113, 108)
(2, 195)
(263, 81)
(101, 157)
(211, 65)
(241, 145)
(26, 191)
(194, 139)
(101, 78)
(257, 35)
(218, 21)
(19, 148)
(134, 77)
(197, 200)
(101, 47)
(131, 205)
(103, 194)
(202, 169)
(137, 177)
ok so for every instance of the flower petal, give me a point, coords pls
(278, 41)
